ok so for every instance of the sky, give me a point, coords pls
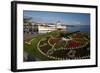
(64, 17)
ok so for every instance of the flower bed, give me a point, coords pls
(72, 44)
(44, 46)
(78, 35)
(53, 40)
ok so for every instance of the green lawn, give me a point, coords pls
(32, 48)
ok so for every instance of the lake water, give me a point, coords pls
(81, 28)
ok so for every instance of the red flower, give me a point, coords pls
(72, 44)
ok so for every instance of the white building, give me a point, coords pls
(48, 28)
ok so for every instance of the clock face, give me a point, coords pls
(64, 46)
